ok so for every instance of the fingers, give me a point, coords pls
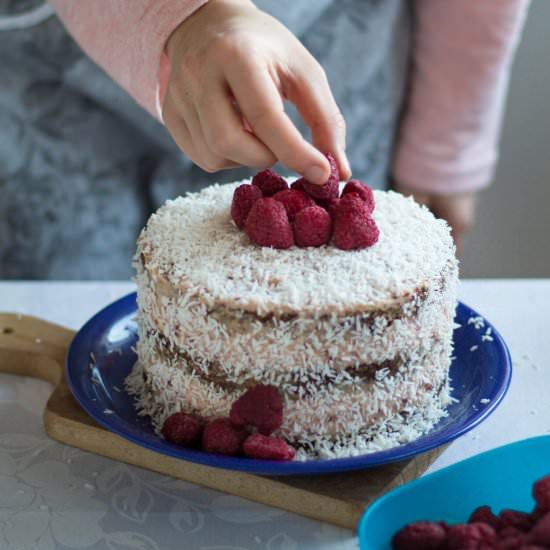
(225, 133)
(184, 126)
(310, 92)
(262, 106)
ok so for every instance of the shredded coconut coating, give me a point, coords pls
(310, 321)
(192, 242)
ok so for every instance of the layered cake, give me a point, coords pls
(358, 342)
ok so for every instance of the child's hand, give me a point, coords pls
(232, 66)
(457, 209)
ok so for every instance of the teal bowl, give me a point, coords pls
(501, 478)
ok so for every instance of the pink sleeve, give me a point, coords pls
(462, 54)
(126, 38)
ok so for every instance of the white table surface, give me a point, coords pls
(54, 496)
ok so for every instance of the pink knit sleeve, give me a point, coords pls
(126, 38)
(462, 54)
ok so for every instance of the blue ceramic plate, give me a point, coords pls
(500, 478)
(101, 356)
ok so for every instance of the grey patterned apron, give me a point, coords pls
(82, 166)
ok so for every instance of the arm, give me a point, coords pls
(190, 66)
(126, 38)
(448, 140)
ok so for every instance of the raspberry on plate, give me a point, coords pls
(353, 226)
(269, 182)
(221, 436)
(260, 406)
(267, 224)
(182, 428)
(312, 227)
(267, 447)
(244, 198)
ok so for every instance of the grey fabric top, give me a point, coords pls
(82, 165)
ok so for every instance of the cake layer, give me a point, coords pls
(192, 245)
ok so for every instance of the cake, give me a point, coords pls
(358, 342)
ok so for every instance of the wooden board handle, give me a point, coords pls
(33, 347)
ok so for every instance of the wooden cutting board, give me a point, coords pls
(33, 347)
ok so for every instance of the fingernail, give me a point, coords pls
(315, 174)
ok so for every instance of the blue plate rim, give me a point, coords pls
(271, 467)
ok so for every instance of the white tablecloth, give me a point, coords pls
(54, 496)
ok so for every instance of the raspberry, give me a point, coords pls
(484, 514)
(298, 185)
(468, 536)
(293, 201)
(533, 547)
(267, 224)
(513, 518)
(312, 227)
(268, 447)
(541, 493)
(363, 190)
(244, 198)
(328, 190)
(181, 428)
(331, 206)
(353, 226)
(540, 534)
(511, 542)
(537, 514)
(261, 407)
(269, 182)
(220, 436)
(421, 535)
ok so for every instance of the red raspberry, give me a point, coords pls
(261, 407)
(298, 185)
(269, 182)
(532, 547)
(469, 536)
(293, 201)
(511, 542)
(244, 198)
(220, 436)
(181, 428)
(328, 190)
(268, 447)
(353, 226)
(331, 206)
(484, 514)
(541, 493)
(513, 518)
(421, 535)
(363, 190)
(267, 224)
(312, 227)
(540, 533)
(537, 514)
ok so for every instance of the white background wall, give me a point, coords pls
(512, 235)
